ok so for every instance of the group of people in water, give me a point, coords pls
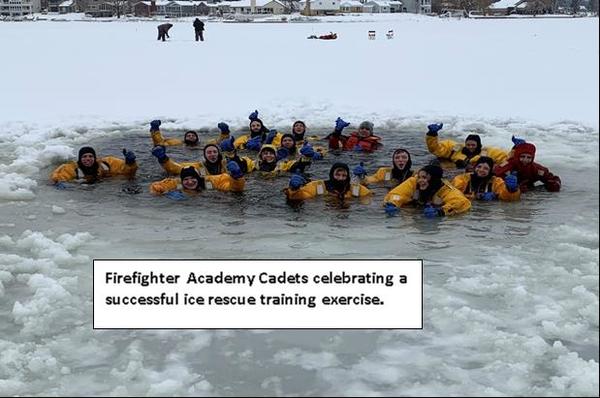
(489, 173)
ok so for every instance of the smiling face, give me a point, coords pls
(287, 142)
(400, 159)
(471, 145)
(482, 170)
(190, 183)
(255, 126)
(340, 174)
(267, 156)
(423, 180)
(364, 132)
(88, 159)
(299, 128)
(526, 158)
(212, 154)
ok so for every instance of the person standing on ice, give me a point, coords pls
(199, 29)
(362, 140)
(163, 31)
(89, 169)
(462, 155)
(190, 138)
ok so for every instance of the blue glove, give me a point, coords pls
(160, 153)
(317, 156)
(227, 145)
(357, 148)
(253, 115)
(270, 136)
(224, 127)
(487, 196)
(296, 181)
(359, 170)
(154, 125)
(307, 150)
(129, 156)
(61, 186)
(175, 195)
(517, 141)
(431, 212)
(282, 153)
(434, 128)
(512, 185)
(391, 209)
(254, 144)
(234, 169)
(340, 124)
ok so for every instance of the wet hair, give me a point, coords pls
(334, 185)
(192, 172)
(401, 175)
(187, 142)
(90, 172)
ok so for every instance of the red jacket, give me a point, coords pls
(528, 174)
(367, 144)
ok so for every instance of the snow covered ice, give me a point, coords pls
(511, 290)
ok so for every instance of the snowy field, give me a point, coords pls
(511, 290)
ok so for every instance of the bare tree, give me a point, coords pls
(119, 6)
(574, 6)
(593, 6)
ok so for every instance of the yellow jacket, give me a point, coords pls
(240, 142)
(317, 188)
(221, 182)
(109, 167)
(158, 139)
(174, 168)
(448, 149)
(496, 185)
(383, 174)
(451, 200)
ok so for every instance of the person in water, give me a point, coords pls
(462, 155)
(191, 182)
(481, 184)
(528, 172)
(190, 138)
(258, 136)
(362, 140)
(90, 169)
(213, 163)
(400, 171)
(338, 185)
(269, 163)
(427, 190)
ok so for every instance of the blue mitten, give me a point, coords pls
(234, 169)
(296, 181)
(254, 144)
(61, 186)
(317, 156)
(517, 141)
(175, 195)
(270, 136)
(224, 127)
(253, 115)
(282, 153)
(512, 185)
(391, 209)
(227, 145)
(487, 196)
(433, 129)
(154, 125)
(340, 124)
(431, 212)
(357, 148)
(307, 150)
(129, 156)
(360, 170)
(160, 153)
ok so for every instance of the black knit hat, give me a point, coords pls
(486, 159)
(189, 172)
(436, 172)
(86, 149)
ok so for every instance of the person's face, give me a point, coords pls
(190, 138)
(423, 180)
(255, 126)
(190, 182)
(471, 145)
(340, 174)
(212, 154)
(88, 159)
(267, 156)
(287, 142)
(482, 170)
(526, 158)
(400, 159)
(364, 132)
(299, 128)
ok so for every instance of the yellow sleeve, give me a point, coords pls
(64, 172)
(363, 191)
(277, 140)
(499, 188)
(226, 183)
(240, 142)
(403, 193)
(461, 181)
(454, 200)
(286, 165)
(163, 186)
(118, 167)
(499, 155)
(250, 163)
(158, 139)
(308, 191)
(379, 176)
(441, 149)
(174, 168)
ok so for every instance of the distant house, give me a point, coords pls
(379, 6)
(18, 8)
(149, 8)
(321, 7)
(67, 7)
(100, 8)
(504, 7)
(416, 6)
(274, 7)
(395, 6)
(180, 8)
(351, 6)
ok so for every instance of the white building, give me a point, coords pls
(18, 8)
(274, 7)
(321, 7)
